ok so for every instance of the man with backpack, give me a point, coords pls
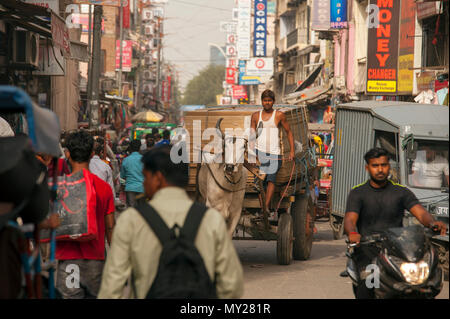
(170, 246)
(80, 264)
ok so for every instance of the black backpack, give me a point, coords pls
(181, 272)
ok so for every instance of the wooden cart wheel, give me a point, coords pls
(302, 211)
(284, 239)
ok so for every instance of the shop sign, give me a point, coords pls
(382, 50)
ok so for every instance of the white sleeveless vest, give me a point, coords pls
(269, 140)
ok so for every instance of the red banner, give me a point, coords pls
(126, 14)
(169, 88)
(231, 75)
(239, 92)
(127, 52)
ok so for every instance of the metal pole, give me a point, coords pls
(158, 65)
(89, 84)
(90, 30)
(121, 48)
(95, 68)
(138, 97)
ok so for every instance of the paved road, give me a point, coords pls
(316, 278)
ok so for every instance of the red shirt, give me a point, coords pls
(93, 249)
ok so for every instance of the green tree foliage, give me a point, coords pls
(204, 87)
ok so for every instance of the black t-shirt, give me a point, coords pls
(379, 208)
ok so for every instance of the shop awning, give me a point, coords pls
(79, 51)
(310, 95)
(38, 19)
(27, 16)
(310, 79)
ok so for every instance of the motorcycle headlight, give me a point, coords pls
(415, 273)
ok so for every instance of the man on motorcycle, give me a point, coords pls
(376, 205)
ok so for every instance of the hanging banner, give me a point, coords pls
(239, 92)
(260, 29)
(320, 15)
(338, 16)
(406, 51)
(127, 52)
(126, 14)
(382, 49)
(243, 29)
(230, 75)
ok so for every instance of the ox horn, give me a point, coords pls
(219, 121)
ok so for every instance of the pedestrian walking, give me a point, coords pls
(166, 138)
(98, 167)
(156, 135)
(86, 259)
(137, 251)
(131, 173)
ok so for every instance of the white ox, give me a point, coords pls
(222, 185)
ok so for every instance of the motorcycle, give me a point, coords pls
(406, 266)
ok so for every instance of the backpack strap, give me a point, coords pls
(193, 219)
(155, 221)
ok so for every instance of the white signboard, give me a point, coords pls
(243, 29)
(228, 27)
(232, 63)
(261, 67)
(231, 38)
(231, 50)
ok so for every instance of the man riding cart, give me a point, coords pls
(283, 158)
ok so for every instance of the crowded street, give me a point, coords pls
(215, 150)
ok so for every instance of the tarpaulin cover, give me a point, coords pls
(43, 124)
(76, 208)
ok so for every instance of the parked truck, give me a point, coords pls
(415, 135)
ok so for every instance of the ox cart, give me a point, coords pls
(293, 222)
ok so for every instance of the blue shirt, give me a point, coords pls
(131, 172)
(163, 142)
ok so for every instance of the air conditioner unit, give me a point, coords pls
(149, 75)
(147, 14)
(155, 43)
(148, 88)
(148, 29)
(25, 50)
(148, 59)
